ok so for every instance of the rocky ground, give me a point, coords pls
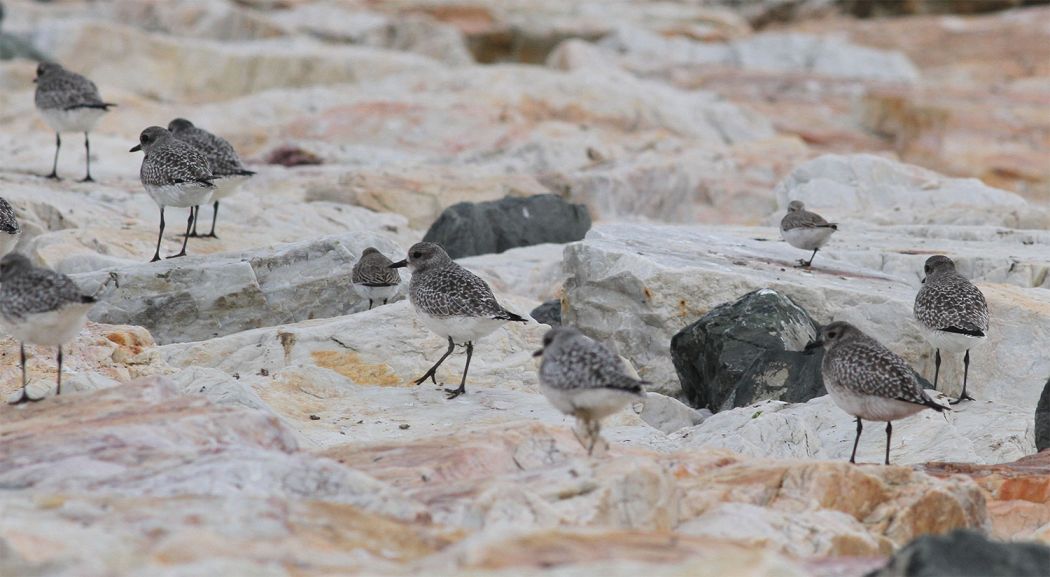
(239, 412)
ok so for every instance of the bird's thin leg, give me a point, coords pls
(384, 301)
(804, 263)
(214, 217)
(580, 424)
(463, 382)
(936, 367)
(595, 433)
(156, 255)
(54, 166)
(186, 237)
(58, 390)
(966, 373)
(87, 152)
(853, 456)
(430, 374)
(369, 304)
(24, 397)
(196, 212)
(889, 435)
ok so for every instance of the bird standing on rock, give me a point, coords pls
(806, 230)
(225, 165)
(174, 173)
(869, 381)
(453, 302)
(41, 307)
(583, 378)
(69, 103)
(952, 312)
(373, 278)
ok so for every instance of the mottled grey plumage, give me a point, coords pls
(169, 161)
(8, 222)
(949, 302)
(868, 381)
(583, 378)
(573, 362)
(806, 230)
(58, 88)
(39, 306)
(441, 288)
(26, 290)
(953, 313)
(220, 154)
(453, 302)
(798, 217)
(373, 269)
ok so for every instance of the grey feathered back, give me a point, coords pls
(221, 156)
(948, 300)
(803, 218)
(373, 269)
(8, 222)
(571, 361)
(862, 365)
(170, 161)
(58, 88)
(26, 289)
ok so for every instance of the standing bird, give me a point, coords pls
(869, 381)
(373, 278)
(952, 312)
(453, 302)
(174, 173)
(806, 230)
(10, 231)
(69, 103)
(225, 165)
(583, 378)
(41, 307)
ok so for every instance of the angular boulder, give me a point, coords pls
(967, 553)
(1042, 419)
(468, 229)
(549, 313)
(748, 351)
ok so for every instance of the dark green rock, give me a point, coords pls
(967, 553)
(1042, 419)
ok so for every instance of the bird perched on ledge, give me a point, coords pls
(69, 103)
(806, 230)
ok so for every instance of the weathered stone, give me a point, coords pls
(669, 414)
(747, 351)
(966, 553)
(468, 229)
(549, 313)
(194, 298)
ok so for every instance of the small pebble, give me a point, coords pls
(315, 418)
(403, 426)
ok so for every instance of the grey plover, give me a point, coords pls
(952, 313)
(373, 278)
(868, 381)
(583, 378)
(453, 302)
(41, 307)
(174, 173)
(225, 165)
(69, 103)
(10, 231)
(806, 230)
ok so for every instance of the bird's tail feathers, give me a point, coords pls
(509, 316)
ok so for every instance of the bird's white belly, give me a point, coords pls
(376, 293)
(52, 328)
(75, 120)
(869, 407)
(227, 185)
(807, 238)
(461, 329)
(590, 403)
(8, 241)
(951, 342)
(180, 196)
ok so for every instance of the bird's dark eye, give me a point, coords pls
(145, 139)
(832, 335)
(417, 254)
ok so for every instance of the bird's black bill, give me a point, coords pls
(136, 148)
(538, 353)
(399, 264)
(813, 346)
(923, 280)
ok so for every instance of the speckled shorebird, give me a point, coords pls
(373, 278)
(453, 302)
(226, 166)
(69, 103)
(869, 381)
(952, 312)
(806, 230)
(10, 231)
(174, 173)
(41, 307)
(583, 378)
